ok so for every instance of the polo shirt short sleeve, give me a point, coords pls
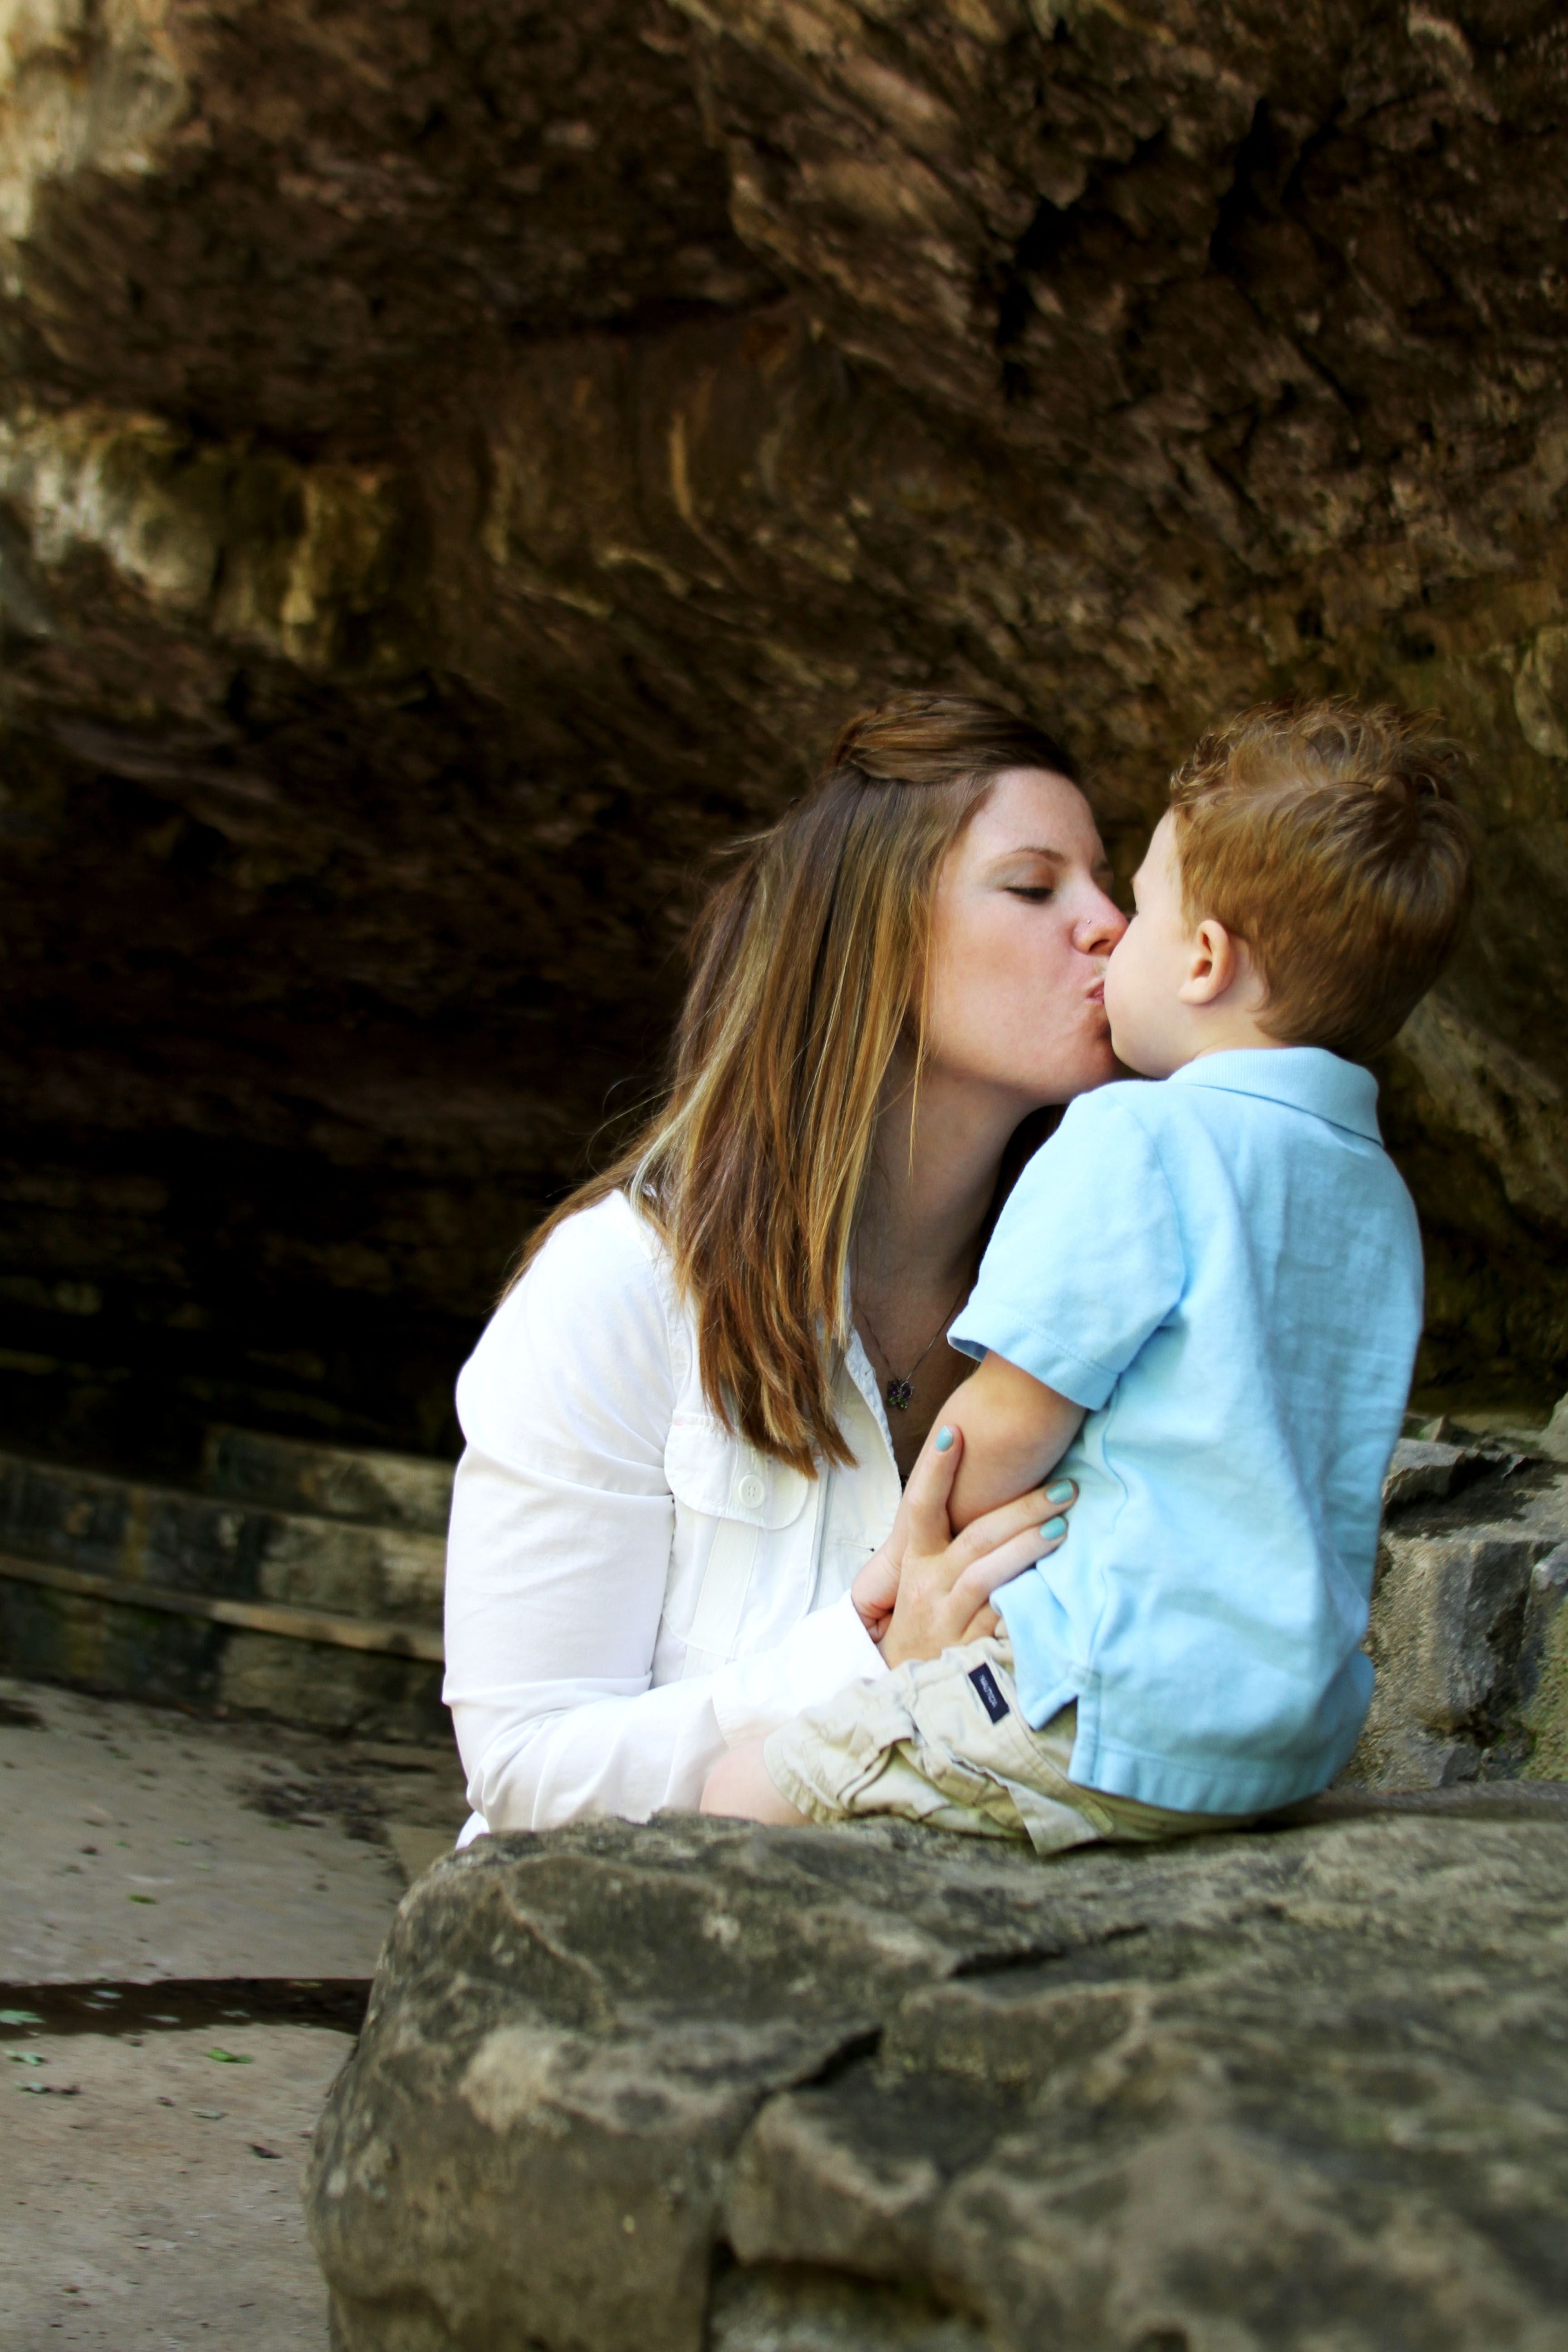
(1086, 1260)
(1224, 1269)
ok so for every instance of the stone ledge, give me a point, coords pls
(650, 2089)
(1469, 1633)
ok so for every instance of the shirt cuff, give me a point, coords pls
(1040, 1353)
(751, 1697)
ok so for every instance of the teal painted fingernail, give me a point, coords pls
(1061, 1492)
(1053, 1528)
(943, 1438)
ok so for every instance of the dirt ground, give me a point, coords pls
(149, 2176)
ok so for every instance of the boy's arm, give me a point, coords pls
(1016, 1430)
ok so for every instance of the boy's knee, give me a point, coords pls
(717, 1788)
(740, 1787)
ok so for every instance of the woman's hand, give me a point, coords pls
(926, 1590)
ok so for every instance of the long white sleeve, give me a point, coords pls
(558, 1557)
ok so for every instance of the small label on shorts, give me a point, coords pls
(990, 1697)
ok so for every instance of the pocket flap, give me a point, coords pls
(720, 1475)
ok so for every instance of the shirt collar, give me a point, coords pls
(1307, 1077)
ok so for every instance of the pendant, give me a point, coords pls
(899, 1394)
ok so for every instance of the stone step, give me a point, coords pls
(118, 1642)
(137, 1534)
(163, 1593)
(285, 1474)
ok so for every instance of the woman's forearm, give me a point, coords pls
(532, 1765)
(539, 1753)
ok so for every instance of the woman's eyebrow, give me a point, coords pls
(1032, 849)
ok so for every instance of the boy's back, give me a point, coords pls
(1247, 1260)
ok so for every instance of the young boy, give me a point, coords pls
(1203, 1298)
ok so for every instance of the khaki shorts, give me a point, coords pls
(942, 1740)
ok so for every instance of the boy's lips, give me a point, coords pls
(1096, 994)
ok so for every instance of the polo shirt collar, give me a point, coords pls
(1308, 1078)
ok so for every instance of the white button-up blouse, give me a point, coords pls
(630, 1588)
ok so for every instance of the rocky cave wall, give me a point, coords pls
(458, 462)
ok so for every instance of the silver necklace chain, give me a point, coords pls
(898, 1392)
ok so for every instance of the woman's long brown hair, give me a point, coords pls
(808, 967)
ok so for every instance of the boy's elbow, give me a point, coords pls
(1002, 1459)
(1015, 1432)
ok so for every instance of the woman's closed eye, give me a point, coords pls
(1036, 892)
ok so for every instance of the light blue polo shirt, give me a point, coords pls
(1224, 1266)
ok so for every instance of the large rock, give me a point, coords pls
(456, 461)
(1468, 1632)
(651, 2090)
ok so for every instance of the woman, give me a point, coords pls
(687, 1421)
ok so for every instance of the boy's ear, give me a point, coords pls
(1215, 963)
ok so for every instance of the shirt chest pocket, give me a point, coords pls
(750, 1503)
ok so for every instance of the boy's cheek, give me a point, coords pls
(1128, 1039)
(1115, 997)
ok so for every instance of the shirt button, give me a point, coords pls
(751, 1491)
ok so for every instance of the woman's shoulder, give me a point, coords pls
(594, 1307)
(609, 1242)
(607, 1263)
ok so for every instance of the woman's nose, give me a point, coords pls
(1099, 926)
